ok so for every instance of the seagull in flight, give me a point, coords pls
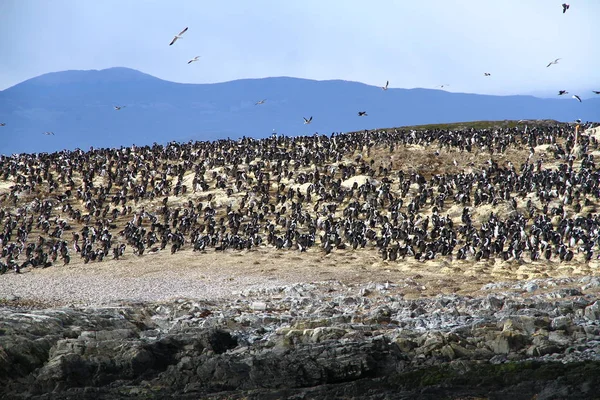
(386, 85)
(193, 59)
(117, 108)
(596, 91)
(260, 102)
(307, 121)
(48, 133)
(552, 62)
(363, 114)
(2, 123)
(561, 92)
(576, 97)
(487, 74)
(178, 36)
(565, 7)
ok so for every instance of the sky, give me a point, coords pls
(422, 43)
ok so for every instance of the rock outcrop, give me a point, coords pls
(309, 341)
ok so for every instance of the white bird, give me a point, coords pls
(386, 85)
(307, 121)
(260, 102)
(193, 59)
(576, 97)
(117, 108)
(48, 133)
(178, 36)
(552, 62)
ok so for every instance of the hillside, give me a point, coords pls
(77, 106)
(443, 261)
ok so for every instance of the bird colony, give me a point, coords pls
(517, 192)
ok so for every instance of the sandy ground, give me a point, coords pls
(215, 275)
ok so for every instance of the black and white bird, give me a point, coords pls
(487, 74)
(596, 91)
(260, 102)
(117, 108)
(2, 123)
(48, 133)
(576, 97)
(178, 36)
(444, 85)
(578, 120)
(307, 121)
(565, 7)
(362, 114)
(193, 59)
(552, 62)
(386, 85)
(561, 92)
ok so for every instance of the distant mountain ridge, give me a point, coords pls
(78, 107)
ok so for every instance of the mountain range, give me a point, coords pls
(78, 107)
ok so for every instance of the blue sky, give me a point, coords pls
(422, 43)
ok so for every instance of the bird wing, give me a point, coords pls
(173, 41)
(310, 119)
(183, 31)
(387, 83)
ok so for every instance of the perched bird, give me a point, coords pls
(561, 92)
(178, 36)
(117, 108)
(552, 62)
(48, 133)
(577, 97)
(362, 114)
(565, 7)
(307, 121)
(193, 59)
(260, 102)
(386, 85)
(2, 123)
(487, 74)
(596, 91)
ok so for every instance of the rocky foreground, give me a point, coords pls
(537, 339)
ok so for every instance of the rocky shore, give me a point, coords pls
(536, 339)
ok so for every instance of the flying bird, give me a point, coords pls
(363, 114)
(552, 62)
(565, 7)
(561, 92)
(2, 123)
(117, 108)
(578, 120)
(386, 85)
(48, 133)
(193, 59)
(260, 102)
(596, 91)
(307, 121)
(178, 36)
(441, 86)
(576, 97)
(487, 74)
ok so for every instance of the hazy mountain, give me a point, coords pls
(78, 107)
